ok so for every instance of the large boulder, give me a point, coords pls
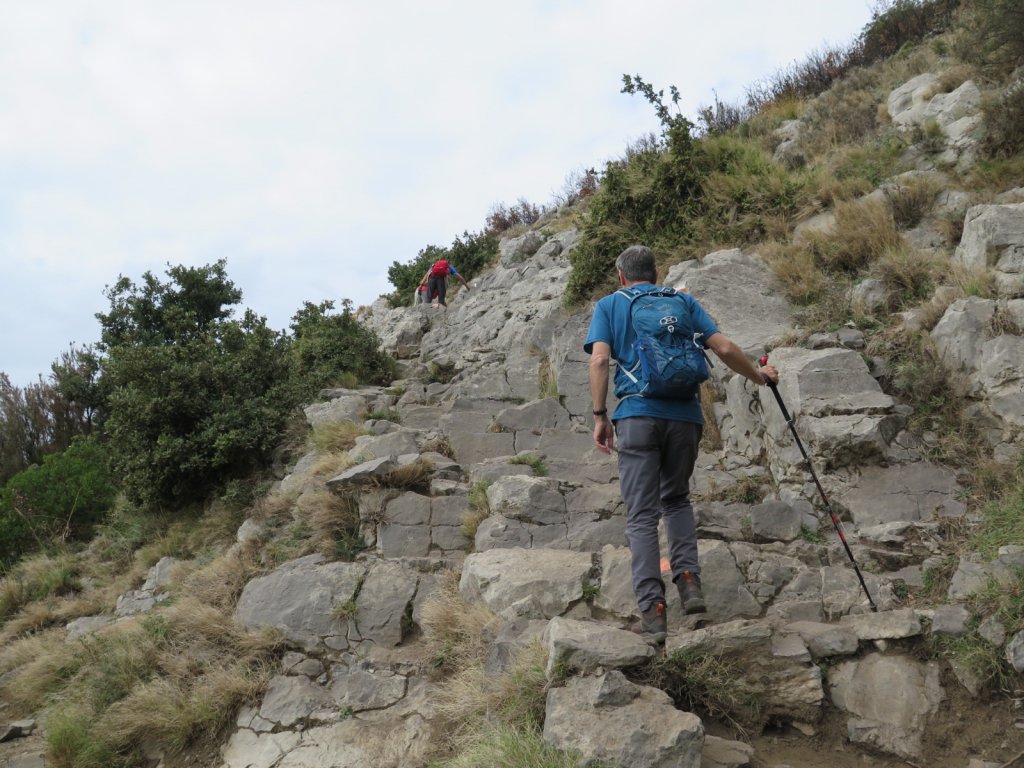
(841, 413)
(302, 598)
(890, 700)
(993, 237)
(535, 583)
(612, 721)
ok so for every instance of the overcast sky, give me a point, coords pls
(312, 144)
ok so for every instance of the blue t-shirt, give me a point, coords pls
(611, 324)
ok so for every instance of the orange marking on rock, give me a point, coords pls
(665, 566)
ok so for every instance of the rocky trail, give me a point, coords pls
(494, 403)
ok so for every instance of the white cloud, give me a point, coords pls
(312, 143)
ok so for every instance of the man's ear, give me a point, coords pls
(622, 277)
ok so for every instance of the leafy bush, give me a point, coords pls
(328, 347)
(197, 398)
(649, 198)
(62, 498)
(36, 420)
(996, 33)
(898, 23)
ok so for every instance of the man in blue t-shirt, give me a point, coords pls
(657, 442)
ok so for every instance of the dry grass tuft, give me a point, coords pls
(863, 231)
(336, 437)
(973, 281)
(911, 274)
(411, 477)
(171, 679)
(331, 464)
(514, 698)
(912, 201)
(452, 630)
(333, 521)
(795, 267)
(220, 582)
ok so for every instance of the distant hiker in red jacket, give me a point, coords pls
(436, 279)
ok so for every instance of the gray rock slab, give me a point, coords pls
(775, 521)
(471, 447)
(300, 598)
(341, 409)
(825, 640)
(586, 646)
(950, 620)
(906, 104)
(989, 232)
(511, 639)
(499, 578)
(961, 332)
(724, 585)
(408, 509)
(358, 689)
(448, 510)
(384, 599)
(160, 575)
(540, 414)
(499, 532)
(884, 625)
(1015, 652)
(363, 474)
(901, 493)
(86, 625)
(740, 291)
(290, 699)
(616, 593)
(609, 720)
(403, 540)
(396, 443)
(725, 753)
(359, 742)
(529, 499)
(247, 749)
(890, 700)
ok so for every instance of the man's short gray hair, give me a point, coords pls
(637, 264)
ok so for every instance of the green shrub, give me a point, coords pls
(995, 33)
(896, 24)
(1002, 522)
(500, 745)
(197, 398)
(62, 498)
(327, 348)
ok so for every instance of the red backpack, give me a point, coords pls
(440, 268)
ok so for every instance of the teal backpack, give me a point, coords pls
(672, 362)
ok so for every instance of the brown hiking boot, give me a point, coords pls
(689, 592)
(653, 625)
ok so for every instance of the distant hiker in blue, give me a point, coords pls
(657, 337)
(436, 280)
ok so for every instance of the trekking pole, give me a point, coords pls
(835, 519)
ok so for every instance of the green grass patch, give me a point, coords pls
(532, 460)
(504, 747)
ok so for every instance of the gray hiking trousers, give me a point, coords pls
(656, 459)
